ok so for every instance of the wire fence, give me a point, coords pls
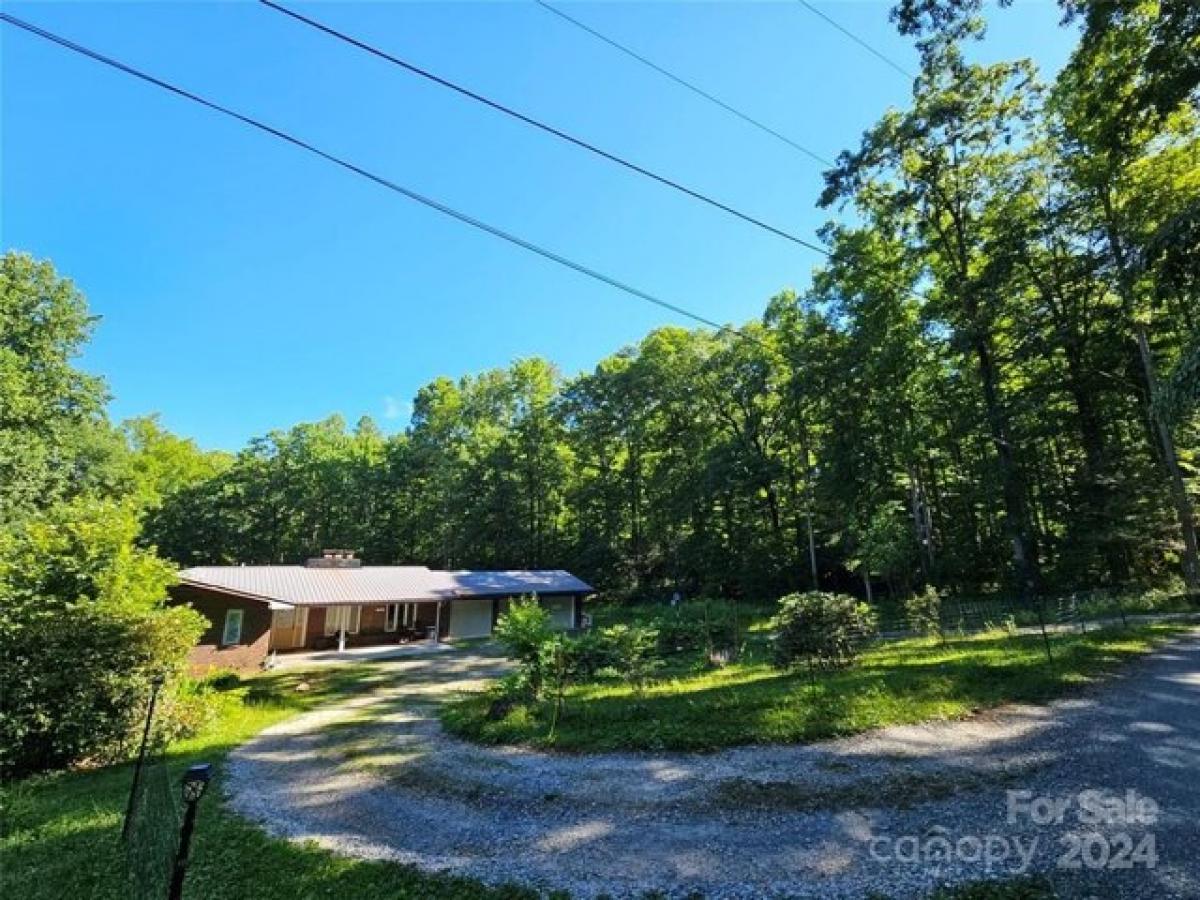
(722, 629)
(152, 831)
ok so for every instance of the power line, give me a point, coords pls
(854, 37)
(377, 179)
(682, 82)
(542, 126)
(734, 111)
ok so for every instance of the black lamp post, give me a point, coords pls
(195, 782)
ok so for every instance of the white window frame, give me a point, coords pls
(335, 616)
(400, 614)
(233, 617)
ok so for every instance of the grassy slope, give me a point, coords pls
(750, 702)
(59, 834)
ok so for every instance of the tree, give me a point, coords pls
(47, 405)
(938, 175)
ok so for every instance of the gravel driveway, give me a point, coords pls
(897, 811)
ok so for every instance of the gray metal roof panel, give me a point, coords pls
(305, 586)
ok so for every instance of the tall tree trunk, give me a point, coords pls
(920, 522)
(809, 501)
(1159, 428)
(1095, 462)
(1179, 496)
(1016, 516)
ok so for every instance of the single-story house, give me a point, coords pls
(334, 601)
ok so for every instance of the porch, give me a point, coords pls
(361, 654)
(345, 627)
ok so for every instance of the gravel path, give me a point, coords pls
(377, 778)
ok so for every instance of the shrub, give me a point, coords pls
(696, 625)
(522, 631)
(636, 650)
(194, 706)
(924, 611)
(820, 629)
(82, 634)
(594, 651)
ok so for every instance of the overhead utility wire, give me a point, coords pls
(732, 110)
(548, 129)
(691, 87)
(377, 179)
(854, 37)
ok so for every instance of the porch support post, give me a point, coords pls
(437, 626)
(342, 628)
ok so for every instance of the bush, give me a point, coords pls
(522, 631)
(636, 649)
(194, 706)
(594, 651)
(924, 611)
(82, 635)
(820, 629)
(696, 625)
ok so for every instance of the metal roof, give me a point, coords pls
(312, 586)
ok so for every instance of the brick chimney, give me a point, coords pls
(334, 559)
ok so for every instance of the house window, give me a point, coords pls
(400, 614)
(232, 633)
(339, 617)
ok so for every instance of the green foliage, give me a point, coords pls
(696, 625)
(556, 661)
(636, 651)
(81, 637)
(1028, 887)
(523, 631)
(820, 629)
(594, 650)
(47, 406)
(923, 611)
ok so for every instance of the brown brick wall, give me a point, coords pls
(373, 620)
(209, 653)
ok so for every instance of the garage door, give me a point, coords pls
(470, 618)
(562, 611)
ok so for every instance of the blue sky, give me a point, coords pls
(245, 286)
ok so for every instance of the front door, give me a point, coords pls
(288, 628)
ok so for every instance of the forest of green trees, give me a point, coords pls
(990, 385)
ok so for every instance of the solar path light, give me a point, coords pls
(195, 783)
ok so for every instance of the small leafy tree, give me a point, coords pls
(556, 662)
(924, 611)
(523, 631)
(822, 629)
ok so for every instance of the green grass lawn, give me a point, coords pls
(59, 834)
(750, 702)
